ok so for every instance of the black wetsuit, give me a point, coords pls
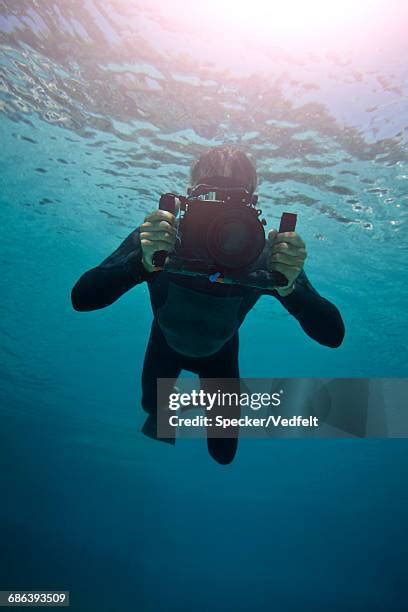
(196, 322)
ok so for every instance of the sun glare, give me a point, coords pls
(288, 17)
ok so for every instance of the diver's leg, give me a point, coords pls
(160, 362)
(223, 364)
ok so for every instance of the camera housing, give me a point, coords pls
(220, 235)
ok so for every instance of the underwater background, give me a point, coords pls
(104, 105)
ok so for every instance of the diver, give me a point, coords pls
(196, 322)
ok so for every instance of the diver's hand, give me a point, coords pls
(287, 254)
(157, 233)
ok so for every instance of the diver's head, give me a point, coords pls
(223, 167)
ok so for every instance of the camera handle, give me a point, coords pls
(287, 224)
(167, 202)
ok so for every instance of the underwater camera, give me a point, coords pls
(220, 235)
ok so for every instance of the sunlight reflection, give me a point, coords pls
(284, 17)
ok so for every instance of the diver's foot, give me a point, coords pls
(222, 449)
(149, 429)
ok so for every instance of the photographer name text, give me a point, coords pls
(246, 421)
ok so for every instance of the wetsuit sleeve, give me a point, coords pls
(318, 317)
(103, 285)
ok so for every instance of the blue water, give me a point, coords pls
(104, 106)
